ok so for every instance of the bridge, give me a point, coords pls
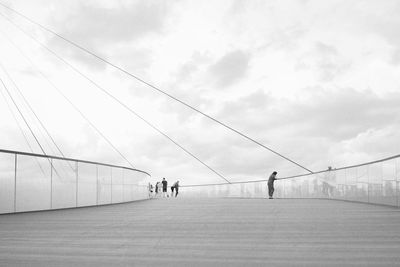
(105, 215)
(205, 232)
(57, 210)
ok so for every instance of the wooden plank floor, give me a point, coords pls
(205, 232)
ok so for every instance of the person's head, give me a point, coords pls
(163, 179)
(274, 173)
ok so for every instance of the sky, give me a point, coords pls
(317, 81)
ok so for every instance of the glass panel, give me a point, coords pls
(7, 182)
(375, 183)
(127, 181)
(104, 194)
(87, 184)
(63, 184)
(362, 184)
(33, 183)
(389, 183)
(117, 185)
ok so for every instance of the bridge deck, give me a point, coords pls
(197, 232)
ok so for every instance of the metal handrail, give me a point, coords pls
(302, 175)
(69, 159)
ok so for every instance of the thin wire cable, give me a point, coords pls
(21, 130)
(154, 87)
(117, 100)
(22, 115)
(68, 100)
(16, 121)
(31, 109)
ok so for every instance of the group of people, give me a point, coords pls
(161, 189)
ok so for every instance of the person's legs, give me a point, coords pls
(176, 192)
(270, 190)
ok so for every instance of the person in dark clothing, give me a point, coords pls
(156, 188)
(176, 186)
(271, 180)
(172, 191)
(164, 187)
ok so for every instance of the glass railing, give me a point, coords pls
(372, 182)
(31, 182)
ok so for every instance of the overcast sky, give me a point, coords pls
(318, 81)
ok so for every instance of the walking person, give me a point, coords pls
(176, 186)
(164, 187)
(172, 190)
(271, 181)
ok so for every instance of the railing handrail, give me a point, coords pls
(303, 175)
(69, 159)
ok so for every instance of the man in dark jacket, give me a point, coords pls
(271, 180)
(164, 187)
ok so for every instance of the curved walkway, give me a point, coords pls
(205, 232)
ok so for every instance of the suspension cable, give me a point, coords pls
(31, 109)
(37, 118)
(22, 115)
(68, 100)
(121, 69)
(117, 100)
(20, 129)
(16, 121)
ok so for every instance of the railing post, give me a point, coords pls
(97, 185)
(15, 183)
(284, 189)
(368, 182)
(397, 182)
(51, 183)
(123, 185)
(111, 186)
(76, 183)
(345, 184)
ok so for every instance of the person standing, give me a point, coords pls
(157, 188)
(150, 190)
(176, 187)
(172, 190)
(164, 187)
(271, 181)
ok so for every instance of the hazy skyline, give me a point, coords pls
(318, 81)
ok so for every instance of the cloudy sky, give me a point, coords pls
(318, 81)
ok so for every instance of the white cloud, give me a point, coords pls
(230, 69)
(317, 81)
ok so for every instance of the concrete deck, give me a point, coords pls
(205, 232)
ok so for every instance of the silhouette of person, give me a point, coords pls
(150, 190)
(172, 191)
(157, 187)
(271, 188)
(164, 187)
(176, 186)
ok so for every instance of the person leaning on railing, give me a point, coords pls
(271, 181)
